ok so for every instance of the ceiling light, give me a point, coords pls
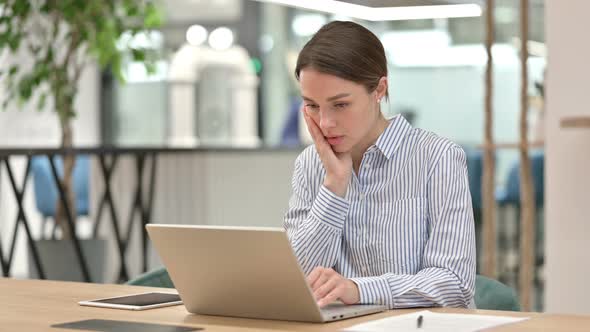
(305, 25)
(384, 13)
(221, 38)
(196, 35)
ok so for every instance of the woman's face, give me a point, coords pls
(343, 110)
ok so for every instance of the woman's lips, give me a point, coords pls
(335, 140)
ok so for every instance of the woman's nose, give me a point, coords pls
(327, 120)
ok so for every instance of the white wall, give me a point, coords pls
(27, 127)
(567, 158)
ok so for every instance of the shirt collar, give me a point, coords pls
(392, 137)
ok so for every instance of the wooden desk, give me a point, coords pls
(35, 305)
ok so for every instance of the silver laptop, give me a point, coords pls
(242, 272)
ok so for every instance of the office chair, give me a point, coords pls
(474, 174)
(511, 195)
(46, 193)
(155, 278)
(491, 294)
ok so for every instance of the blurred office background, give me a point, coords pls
(224, 85)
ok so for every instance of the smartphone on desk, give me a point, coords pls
(141, 301)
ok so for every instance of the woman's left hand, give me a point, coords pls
(328, 286)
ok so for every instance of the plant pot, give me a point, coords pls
(59, 260)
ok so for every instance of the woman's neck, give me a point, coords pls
(359, 150)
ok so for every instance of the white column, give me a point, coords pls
(567, 158)
(274, 81)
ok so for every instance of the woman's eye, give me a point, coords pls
(312, 107)
(341, 105)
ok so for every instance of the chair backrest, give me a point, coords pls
(155, 278)
(494, 295)
(512, 195)
(46, 193)
(474, 175)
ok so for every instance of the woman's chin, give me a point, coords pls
(341, 148)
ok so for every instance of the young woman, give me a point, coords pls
(380, 212)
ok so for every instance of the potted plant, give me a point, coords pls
(61, 37)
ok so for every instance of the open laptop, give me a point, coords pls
(242, 272)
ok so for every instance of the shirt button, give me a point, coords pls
(368, 165)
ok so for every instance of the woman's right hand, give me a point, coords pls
(338, 165)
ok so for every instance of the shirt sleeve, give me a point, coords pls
(314, 224)
(447, 275)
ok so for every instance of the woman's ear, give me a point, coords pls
(381, 89)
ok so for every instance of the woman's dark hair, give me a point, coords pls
(346, 50)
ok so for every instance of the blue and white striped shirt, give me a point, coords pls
(404, 233)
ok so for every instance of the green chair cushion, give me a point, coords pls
(494, 295)
(155, 278)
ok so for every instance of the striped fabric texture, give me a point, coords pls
(404, 233)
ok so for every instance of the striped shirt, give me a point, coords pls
(404, 233)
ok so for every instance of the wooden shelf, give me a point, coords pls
(580, 121)
(514, 145)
